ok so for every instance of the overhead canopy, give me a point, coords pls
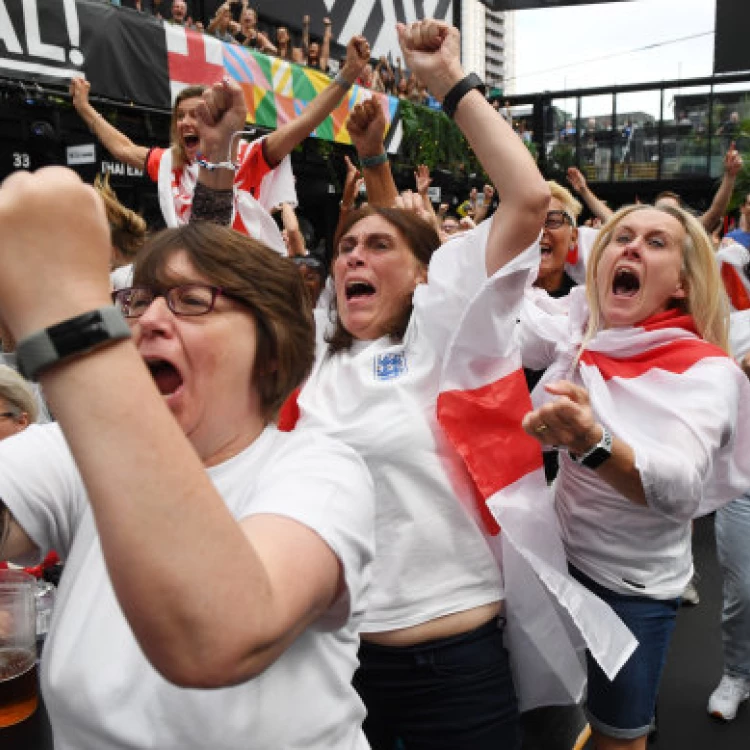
(531, 4)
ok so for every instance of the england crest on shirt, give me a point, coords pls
(390, 365)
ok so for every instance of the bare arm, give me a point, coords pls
(569, 422)
(117, 143)
(432, 51)
(366, 125)
(14, 541)
(305, 36)
(265, 45)
(212, 624)
(325, 47)
(578, 183)
(720, 203)
(482, 211)
(282, 141)
(295, 239)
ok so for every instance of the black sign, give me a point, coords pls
(52, 42)
(731, 48)
(532, 4)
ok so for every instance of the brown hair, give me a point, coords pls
(256, 276)
(127, 229)
(706, 300)
(421, 238)
(189, 92)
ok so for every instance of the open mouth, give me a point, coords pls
(359, 290)
(546, 250)
(166, 376)
(625, 283)
(191, 140)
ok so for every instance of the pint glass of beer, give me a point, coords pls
(18, 675)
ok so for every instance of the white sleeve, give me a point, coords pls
(41, 485)
(325, 485)
(457, 275)
(703, 460)
(543, 325)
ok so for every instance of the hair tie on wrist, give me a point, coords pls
(340, 79)
(373, 161)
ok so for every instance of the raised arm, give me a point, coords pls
(432, 50)
(258, 583)
(578, 183)
(117, 143)
(482, 211)
(367, 125)
(325, 47)
(720, 203)
(284, 139)
(295, 240)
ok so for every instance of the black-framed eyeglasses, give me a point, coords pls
(183, 299)
(555, 219)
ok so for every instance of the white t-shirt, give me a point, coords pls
(682, 426)
(380, 398)
(101, 692)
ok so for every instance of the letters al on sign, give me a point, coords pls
(84, 154)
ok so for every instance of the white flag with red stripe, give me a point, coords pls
(483, 397)
(734, 262)
(661, 378)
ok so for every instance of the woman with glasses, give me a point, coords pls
(215, 567)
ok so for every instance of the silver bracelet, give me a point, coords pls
(212, 166)
(340, 79)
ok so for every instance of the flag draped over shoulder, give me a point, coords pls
(732, 260)
(483, 397)
(251, 216)
(666, 392)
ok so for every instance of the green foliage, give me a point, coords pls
(432, 138)
(560, 158)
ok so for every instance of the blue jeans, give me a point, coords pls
(445, 694)
(624, 707)
(733, 550)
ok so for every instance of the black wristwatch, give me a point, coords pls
(459, 91)
(597, 455)
(73, 337)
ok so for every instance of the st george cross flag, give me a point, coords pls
(733, 259)
(551, 619)
(662, 367)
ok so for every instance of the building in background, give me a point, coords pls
(488, 44)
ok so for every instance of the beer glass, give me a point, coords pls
(18, 674)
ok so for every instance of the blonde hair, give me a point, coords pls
(572, 206)
(705, 300)
(127, 229)
(18, 394)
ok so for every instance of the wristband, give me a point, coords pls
(367, 162)
(71, 338)
(459, 91)
(340, 79)
(212, 166)
(597, 454)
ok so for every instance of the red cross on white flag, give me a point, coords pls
(194, 58)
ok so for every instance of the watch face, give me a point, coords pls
(78, 335)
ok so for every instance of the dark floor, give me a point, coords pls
(694, 666)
